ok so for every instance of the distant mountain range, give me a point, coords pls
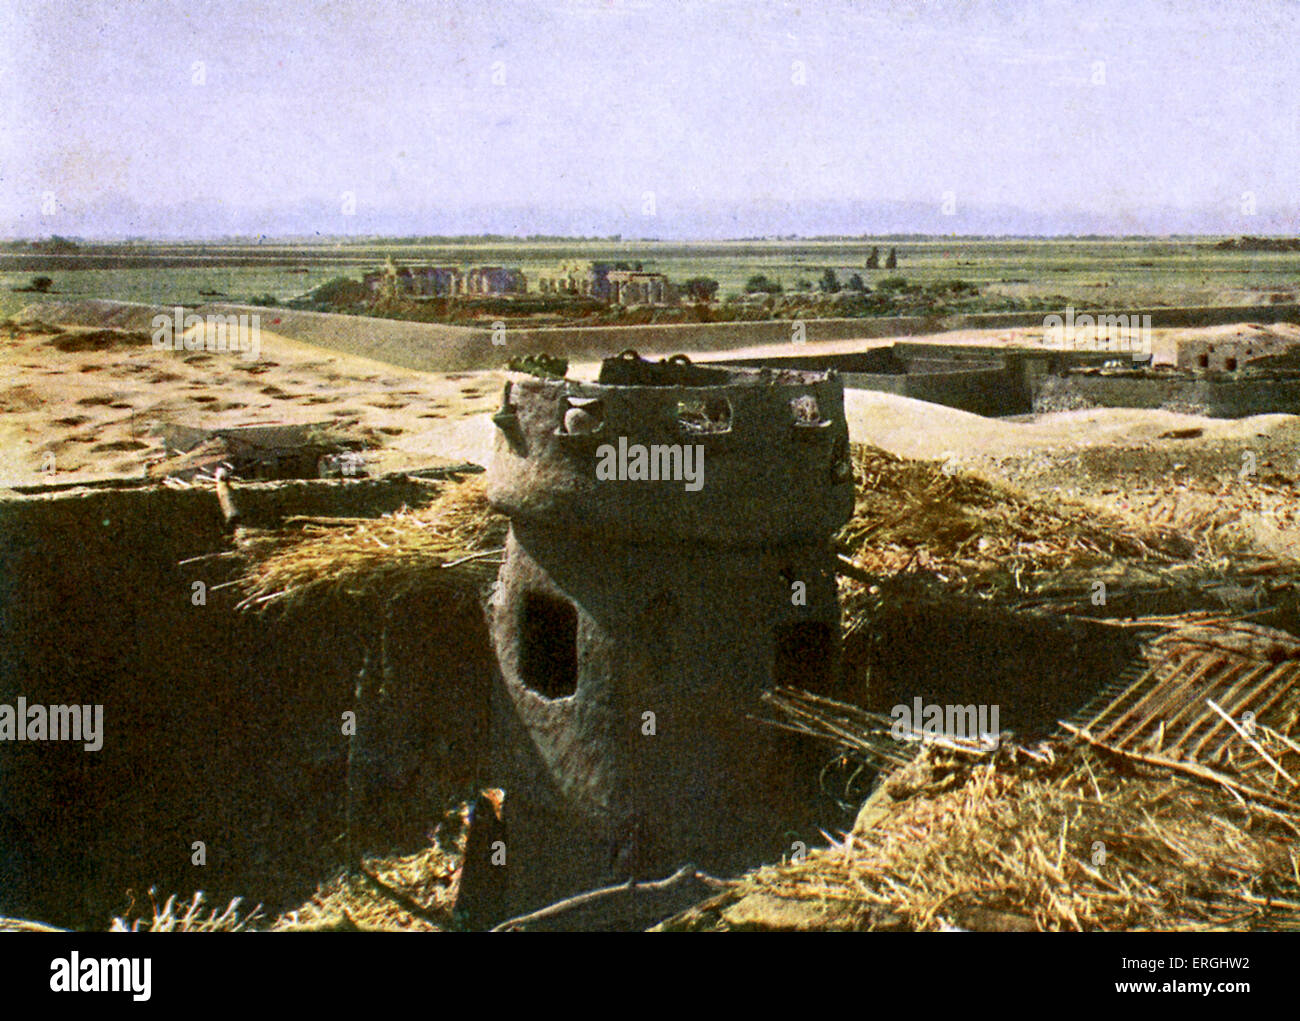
(115, 217)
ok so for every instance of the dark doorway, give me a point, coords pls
(548, 654)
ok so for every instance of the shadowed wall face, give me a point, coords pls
(218, 726)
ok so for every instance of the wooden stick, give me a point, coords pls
(474, 556)
(1250, 741)
(1190, 768)
(229, 512)
(1277, 736)
(591, 896)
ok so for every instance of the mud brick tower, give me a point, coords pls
(668, 559)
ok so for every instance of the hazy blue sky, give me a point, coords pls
(739, 118)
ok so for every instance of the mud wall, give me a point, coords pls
(983, 381)
(432, 347)
(437, 348)
(989, 392)
(688, 636)
(220, 727)
(1218, 398)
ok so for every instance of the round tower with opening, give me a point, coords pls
(669, 559)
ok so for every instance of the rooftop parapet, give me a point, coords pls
(670, 451)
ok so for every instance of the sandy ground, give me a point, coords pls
(91, 412)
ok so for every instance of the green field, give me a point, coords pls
(1097, 273)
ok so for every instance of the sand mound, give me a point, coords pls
(458, 439)
(912, 428)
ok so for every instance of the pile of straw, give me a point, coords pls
(1224, 515)
(914, 515)
(909, 515)
(451, 543)
(177, 916)
(1070, 843)
(411, 893)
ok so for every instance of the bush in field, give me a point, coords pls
(829, 283)
(760, 283)
(855, 283)
(700, 288)
(58, 244)
(39, 285)
(263, 300)
(952, 287)
(892, 284)
(340, 291)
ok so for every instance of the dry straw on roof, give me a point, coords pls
(908, 514)
(452, 542)
(917, 514)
